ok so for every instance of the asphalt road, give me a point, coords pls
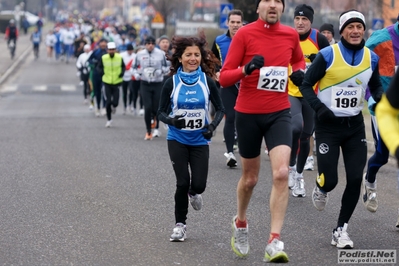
(76, 193)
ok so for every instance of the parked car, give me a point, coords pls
(32, 18)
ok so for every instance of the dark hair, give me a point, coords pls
(208, 59)
(235, 12)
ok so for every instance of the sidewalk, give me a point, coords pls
(24, 48)
(8, 65)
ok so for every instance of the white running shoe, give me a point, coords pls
(179, 233)
(196, 201)
(309, 165)
(319, 198)
(231, 159)
(141, 112)
(98, 113)
(274, 252)
(291, 176)
(108, 124)
(91, 107)
(239, 240)
(156, 133)
(369, 196)
(299, 188)
(340, 238)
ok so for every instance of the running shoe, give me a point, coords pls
(156, 133)
(319, 198)
(196, 201)
(141, 112)
(299, 188)
(231, 159)
(91, 107)
(239, 240)
(98, 113)
(291, 177)
(108, 124)
(274, 252)
(369, 196)
(179, 233)
(309, 165)
(148, 136)
(340, 238)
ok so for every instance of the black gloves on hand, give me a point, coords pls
(208, 133)
(177, 122)
(323, 113)
(257, 62)
(297, 77)
(311, 57)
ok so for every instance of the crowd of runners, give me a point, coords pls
(298, 91)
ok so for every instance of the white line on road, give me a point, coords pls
(65, 87)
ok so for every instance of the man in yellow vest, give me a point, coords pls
(302, 115)
(343, 71)
(112, 68)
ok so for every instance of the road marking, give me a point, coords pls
(40, 88)
(65, 87)
(9, 88)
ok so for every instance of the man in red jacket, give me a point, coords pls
(11, 34)
(259, 56)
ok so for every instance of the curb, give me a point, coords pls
(14, 65)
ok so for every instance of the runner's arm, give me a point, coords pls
(216, 100)
(387, 113)
(316, 71)
(164, 102)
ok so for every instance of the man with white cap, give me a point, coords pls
(112, 67)
(84, 69)
(344, 70)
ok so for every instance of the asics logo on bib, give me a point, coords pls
(183, 114)
(275, 73)
(191, 92)
(346, 93)
(194, 114)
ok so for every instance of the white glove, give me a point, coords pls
(158, 73)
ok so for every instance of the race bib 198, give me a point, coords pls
(346, 97)
(273, 79)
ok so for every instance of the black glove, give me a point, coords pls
(208, 133)
(257, 62)
(297, 77)
(311, 57)
(323, 113)
(177, 122)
